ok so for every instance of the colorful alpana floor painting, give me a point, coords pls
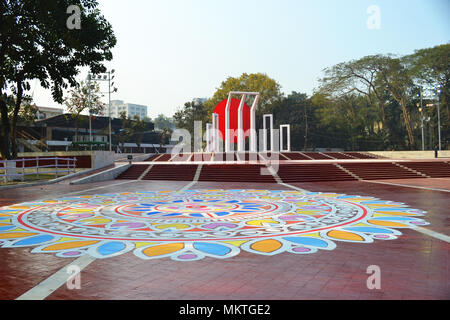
(195, 224)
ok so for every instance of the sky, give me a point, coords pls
(171, 51)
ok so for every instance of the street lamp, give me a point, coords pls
(111, 89)
(420, 106)
(434, 94)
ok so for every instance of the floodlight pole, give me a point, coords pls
(89, 106)
(109, 110)
(421, 117)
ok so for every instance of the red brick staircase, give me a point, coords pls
(379, 171)
(173, 172)
(235, 173)
(134, 172)
(431, 169)
(312, 172)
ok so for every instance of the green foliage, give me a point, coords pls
(254, 82)
(162, 122)
(35, 43)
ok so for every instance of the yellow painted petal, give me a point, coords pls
(163, 249)
(266, 246)
(6, 215)
(387, 223)
(69, 245)
(143, 244)
(13, 235)
(173, 225)
(396, 213)
(344, 235)
(236, 243)
(260, 222)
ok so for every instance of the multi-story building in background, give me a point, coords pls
(130, 109)
(47, 112)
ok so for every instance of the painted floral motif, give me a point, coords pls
(195, 224)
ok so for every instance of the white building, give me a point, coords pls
(131, 109)
(47, 112)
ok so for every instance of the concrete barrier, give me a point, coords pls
(103, 176)
(98, 159)
(411, 154)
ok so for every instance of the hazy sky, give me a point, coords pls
(170, 51)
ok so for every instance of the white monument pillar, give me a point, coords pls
(241, 140)
(288, 129)
(270, 116)
(227, 124)
(253, 146)
(209, 137)
(215, 133)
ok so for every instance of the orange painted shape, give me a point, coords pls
(386, 223)
(69, 245)
(13, 235)
(163, 249)
(344, 235)
(266, 246)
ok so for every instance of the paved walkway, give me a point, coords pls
(414, 266)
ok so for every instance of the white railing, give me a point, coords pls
(59, 168)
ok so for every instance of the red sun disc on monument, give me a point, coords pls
(234, 106)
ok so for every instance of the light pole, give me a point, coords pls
(89, 106)
(435, 95)
(421, 116)
(107, 77)
(439, 114)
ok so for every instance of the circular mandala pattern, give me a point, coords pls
(195, 224)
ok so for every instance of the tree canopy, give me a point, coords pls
(369, 103)
(36, 43)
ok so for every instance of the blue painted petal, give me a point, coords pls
(368, 229)
(212, 248)
(7, 228)
(110, 248)
(308, 241)
(34, 240)
(196, 215)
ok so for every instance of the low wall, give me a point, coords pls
(103, 176)
(122, 157)
(85, 159)
(411, 154)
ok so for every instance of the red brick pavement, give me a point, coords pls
(414, 266)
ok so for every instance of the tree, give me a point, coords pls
(430, 67)
(139, 128)
(162, 122)
(192, 111)
(379, 78)
(86, 96)
(295, 109)
(36, 43)
(127, 131)
(254, 82)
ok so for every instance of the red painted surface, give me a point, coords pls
(234, 106)
(414, 266)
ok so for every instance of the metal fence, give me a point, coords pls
(60, 166)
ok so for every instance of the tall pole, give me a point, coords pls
(439, 114)
(439, 124)
(89, 106)
(109, 109)
(421, 116)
